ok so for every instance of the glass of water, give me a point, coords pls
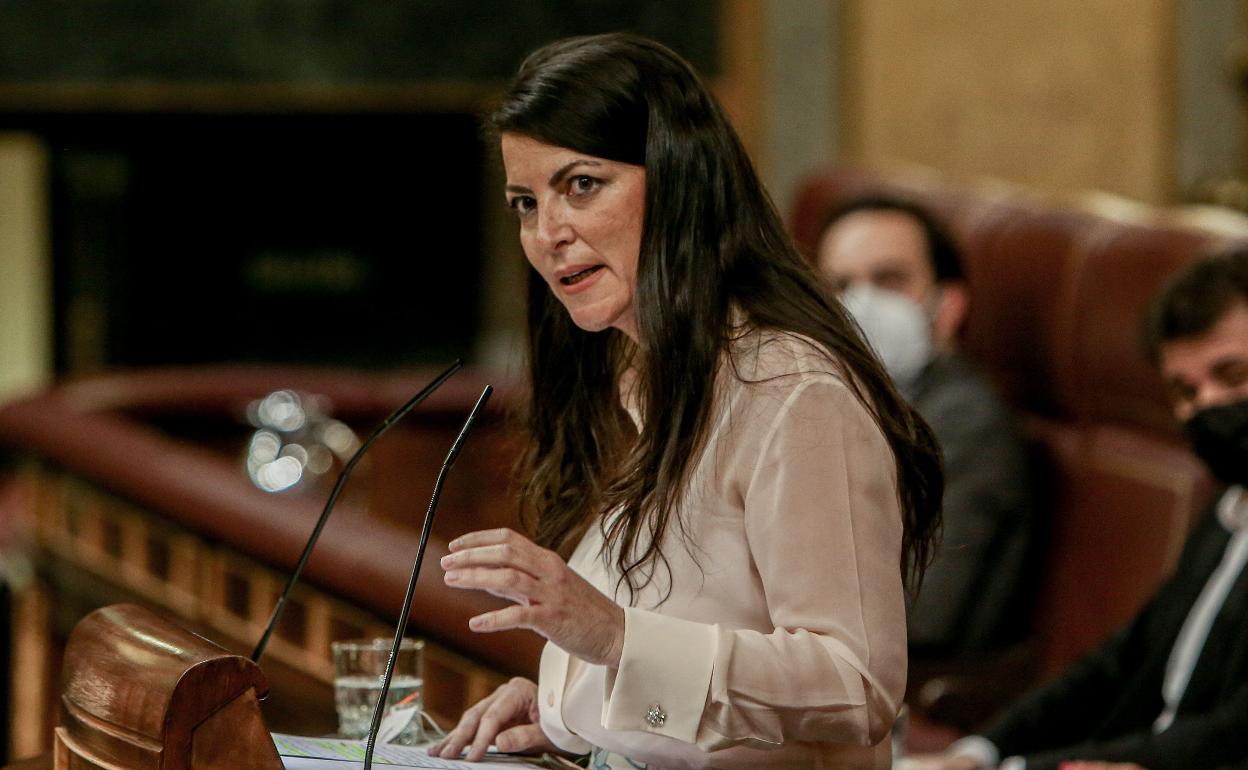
(359, 667)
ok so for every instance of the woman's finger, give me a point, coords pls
(521, 738)
(510, 705)
(502, 712)
(520, 555)
(505, 582)
(463, 733)
(453, 744)
(515, 616)
(483, 537)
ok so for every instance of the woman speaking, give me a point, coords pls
(724, 495)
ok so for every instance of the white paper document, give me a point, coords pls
(302, 753)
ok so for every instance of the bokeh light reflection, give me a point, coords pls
(294, 439)
(282, 473)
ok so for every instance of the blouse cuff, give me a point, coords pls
(664, 676)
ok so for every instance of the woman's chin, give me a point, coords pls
(593, 319)
(590, 324)
(603, 314)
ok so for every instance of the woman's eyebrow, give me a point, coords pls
(558, 176)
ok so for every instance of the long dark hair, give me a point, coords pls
(711, 243)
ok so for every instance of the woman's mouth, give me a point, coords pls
(575, 278)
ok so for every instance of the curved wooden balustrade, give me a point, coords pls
(132, 485)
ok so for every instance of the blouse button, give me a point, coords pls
(655, 715)
(550, 698)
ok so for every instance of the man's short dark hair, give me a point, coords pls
(1195, 300)
(941, 248)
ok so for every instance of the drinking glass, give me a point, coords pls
(359, 667)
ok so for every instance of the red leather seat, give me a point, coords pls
(1057, 294)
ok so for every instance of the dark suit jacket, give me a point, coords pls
(974, 596)
(1104, 706)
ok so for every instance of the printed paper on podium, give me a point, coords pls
(303, 753)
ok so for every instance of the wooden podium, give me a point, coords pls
(140, 693)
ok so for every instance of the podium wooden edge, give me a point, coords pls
(141, 693)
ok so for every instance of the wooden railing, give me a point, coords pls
(97, 531)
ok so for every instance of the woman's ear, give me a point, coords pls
(952, 304)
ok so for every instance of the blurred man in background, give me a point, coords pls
(1170, 690)
(900, 275)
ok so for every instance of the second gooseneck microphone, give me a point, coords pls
(411, 584)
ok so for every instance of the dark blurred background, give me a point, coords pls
(304, 180)
(290, 182)
(275, 182)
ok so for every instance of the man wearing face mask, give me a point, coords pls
(898, 273)
(1170, 690)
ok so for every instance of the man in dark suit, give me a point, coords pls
(1170, 690)
(899, 272)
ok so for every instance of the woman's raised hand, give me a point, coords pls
(507, 718)
(550, 598)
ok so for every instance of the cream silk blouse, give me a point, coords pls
(783, 641)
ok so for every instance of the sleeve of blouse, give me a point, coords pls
(824, 530)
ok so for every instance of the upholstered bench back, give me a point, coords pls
(1057, 294)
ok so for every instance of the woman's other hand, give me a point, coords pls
(550, 598)
(508, 718)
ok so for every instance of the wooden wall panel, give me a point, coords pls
(1057, 94)
(25, 301)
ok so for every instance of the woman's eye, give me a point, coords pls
(583, 185)
(522, 204)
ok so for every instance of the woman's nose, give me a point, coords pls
(553, 228)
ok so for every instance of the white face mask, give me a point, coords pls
(896, 328)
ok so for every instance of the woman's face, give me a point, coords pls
(580, 225)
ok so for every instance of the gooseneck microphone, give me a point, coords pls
(395, 416)
(411, 584)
